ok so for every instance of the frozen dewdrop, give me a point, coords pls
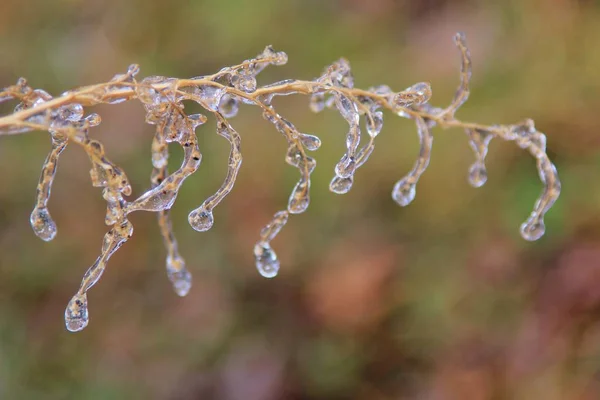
(477, 174)
(375, 124)
(347, 108)
(133, 69)
(404, 192)
(533, 228)
(179, 276)
(281, 58)
(76, 313)
(299, 199)
(93, 119)
(346, 167)
(229, 106)
(42, 224)
(247, 84)
(267, 263)
(71, 112)
(201, 219)
(417, 94)
(209, 96)
(311, 142)
(341, 185)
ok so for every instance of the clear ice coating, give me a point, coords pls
(345, 167)
(417, 94)
(299, 199)
(479, 141)
(41, 221)
(404, 190)
(267, 263)
(208, 96)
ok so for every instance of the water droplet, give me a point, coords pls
(533, 229)
(341, 185)
(76, 313)
(266, 260)
(201, 219)
(404, 192)
(477, 175)
(311, 142)
(42, 224)
(179, 276)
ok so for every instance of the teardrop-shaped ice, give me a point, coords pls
(533, 228)
(477, 174)
(201, 219)
(267, 263)
(76, 313)
(311, 142)
(404, 192)
(341, 185)
(42, 224)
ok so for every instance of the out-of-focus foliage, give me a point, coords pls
(438, 300)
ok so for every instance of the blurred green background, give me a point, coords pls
(438, 300)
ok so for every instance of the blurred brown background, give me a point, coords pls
(438, 300)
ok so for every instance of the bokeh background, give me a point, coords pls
(438, 300)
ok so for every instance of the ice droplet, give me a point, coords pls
(346, 167)
(210, 96)
(341, 185)
(76, 313)
(299, 199)
(477, 175)
(267, 263)
(229, 106)
(42, 224)
(375, 124)
(201, 219)
(311, 142)
(533, 228)
(71, 112)
(404, 192)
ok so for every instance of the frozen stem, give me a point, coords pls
(221, 95)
